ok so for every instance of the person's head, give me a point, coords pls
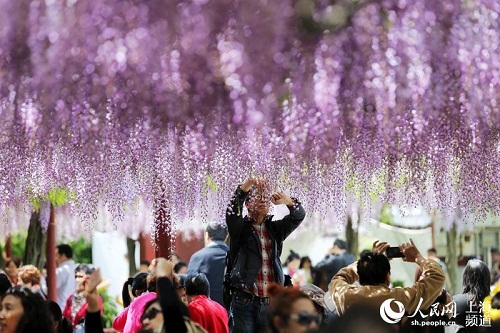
(60, 324)
(197, 284)
(495, 254)
(81, 272)
(4, 284)
(431, 253)
(180, 286)
(23, 311)
(258, 202)
(305, 262)
(359, 318)
(144, 266)
(152, 317)
(29, 276)
(374, 269)
(180, 268)
(64, 252)
(216, 231)
(476, 280)
(291, 311)
(317, 295)
(293, 260)
(339, 246)
(133, 287)
(12, 265)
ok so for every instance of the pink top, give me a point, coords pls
(129, 321)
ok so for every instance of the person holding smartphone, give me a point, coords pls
(373, 271)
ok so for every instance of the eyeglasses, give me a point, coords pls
(306, 318)
(150, 314)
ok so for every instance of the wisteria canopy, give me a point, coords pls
(173, 103)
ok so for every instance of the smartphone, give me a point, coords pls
(394, 252)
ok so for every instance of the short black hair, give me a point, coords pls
(373, 268)
(433, 250)
(197, 284)
(217, 230)
(178, 266)
(341, 244)
(145, 262)
(65, 249)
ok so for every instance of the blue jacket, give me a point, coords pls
(211, 260)
(245, 245)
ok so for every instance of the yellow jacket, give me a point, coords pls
(494, 314)
(345, 293)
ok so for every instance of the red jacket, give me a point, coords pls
(80, 315)
(209, 314)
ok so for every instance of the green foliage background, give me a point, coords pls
(82, 248)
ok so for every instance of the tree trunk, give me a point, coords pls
(351, 236)
(35, 243)
(2, 259)
(452, 259)
(132, 266)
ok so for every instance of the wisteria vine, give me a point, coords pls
(169, 104)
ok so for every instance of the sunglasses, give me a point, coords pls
(150, 314)
(18, 290)
(306, 318)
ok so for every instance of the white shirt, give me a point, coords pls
(66, 283)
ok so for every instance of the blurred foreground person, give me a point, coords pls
(23, 311)
(476, 286)
(208, 313)
(291, 311)
(373, 272)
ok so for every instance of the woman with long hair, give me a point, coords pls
(476, 286)
(23, 311)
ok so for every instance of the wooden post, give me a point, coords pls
(51, 257)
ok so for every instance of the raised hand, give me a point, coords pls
(410, 251)
(380, 247)
(280, 198)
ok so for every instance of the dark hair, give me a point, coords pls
(282, 300)
(86, 268)
(365, 251)
(36, 316)
(303, 260)
(145, 262)
(476, 280)
(341, 244)
(433, 250)
(66, 250)
(4, 283)
(495, 301)
(138, 283)
(292, 256)
(15, 260)
(197, 284)
(178, 266)
(217, 231)
(63, 325)
(373, 268)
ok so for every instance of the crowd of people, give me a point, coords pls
(237, 283)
